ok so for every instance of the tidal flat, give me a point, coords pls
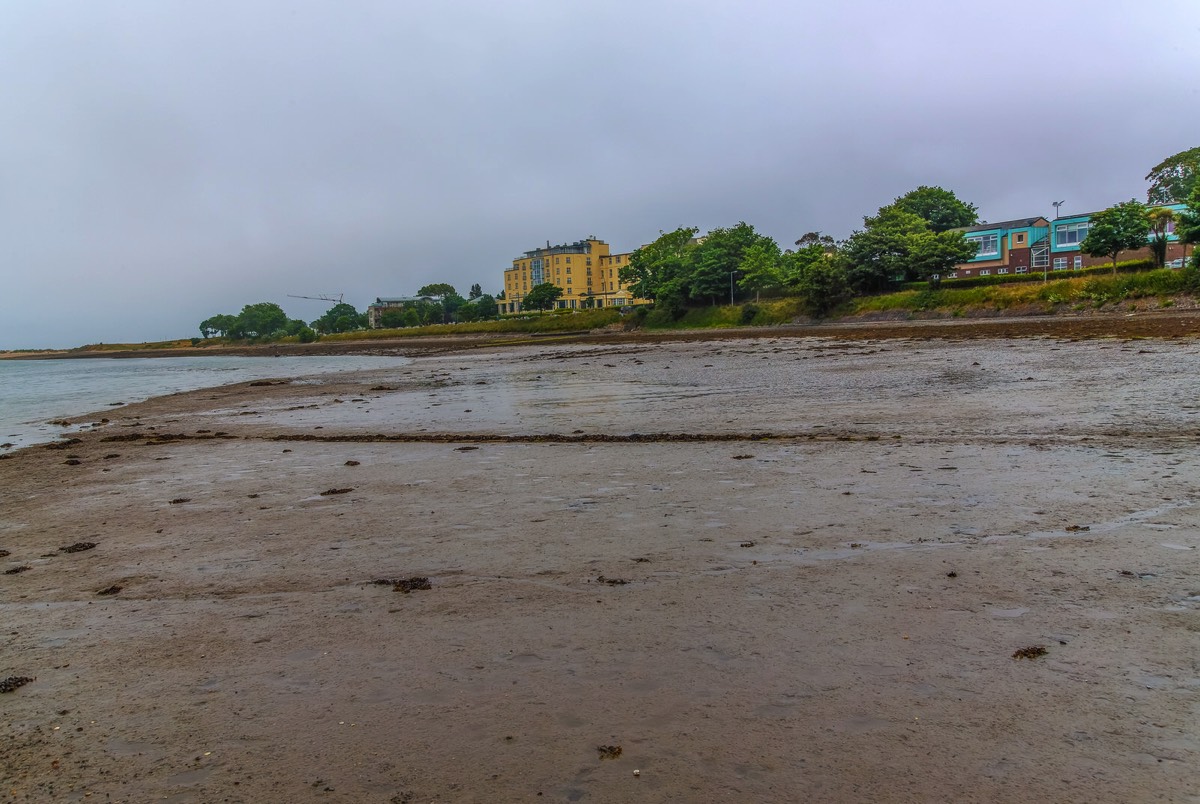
(770, 569)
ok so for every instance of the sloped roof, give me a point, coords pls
(1018, 223)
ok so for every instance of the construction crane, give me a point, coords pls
(322, 297)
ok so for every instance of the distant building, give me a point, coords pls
(1015, 246)
(1036, 244)
(383, 304)
(587, 272)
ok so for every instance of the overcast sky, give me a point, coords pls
(162, 161)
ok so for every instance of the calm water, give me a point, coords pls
(32, 392)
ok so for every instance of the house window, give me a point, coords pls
(1002, 271)
(966, 273)
(1078, 263)
(1060, 263)
(988, 244)
(1071, 234)
(1041, 257)
(1020, 238)
(986, 272)
(1021, 269)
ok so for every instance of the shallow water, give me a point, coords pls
(33, 392)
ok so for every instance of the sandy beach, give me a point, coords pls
(781, 568)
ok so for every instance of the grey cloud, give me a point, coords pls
(163, 161)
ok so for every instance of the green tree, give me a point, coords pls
(476, 291)
(451, 304)
(761, 267)
(259, 320)
(395, 318)
(1187, 224)
(437, 290)
(941, 208)
(542, 297)
(899, 246)
(717, 257)
(306, 335)
(1120, 228)
(221, 324)
(820, 276)
(1173, 179)
(1160, 219)
(341, 317)
(659, 271)
(485, 305)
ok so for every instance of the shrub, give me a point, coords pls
(307, 335)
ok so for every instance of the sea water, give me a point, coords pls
(35, 392)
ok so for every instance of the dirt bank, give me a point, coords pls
(1093, 324)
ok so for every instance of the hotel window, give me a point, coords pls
(1078, 263)
(1060, 263)
(568, 281)
(568, 267)
(1071, 234)
(568, 260)
(988, 244)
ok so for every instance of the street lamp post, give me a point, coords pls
(1050, 240)
(731, 273)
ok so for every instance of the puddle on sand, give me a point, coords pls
(1008, 612)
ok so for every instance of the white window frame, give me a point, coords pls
(1077, 263)
(991, 240)
(985, 271)
(1002, 271)
(1060, 264)
(1071, 234)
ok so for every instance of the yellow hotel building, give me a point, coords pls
(587, 272)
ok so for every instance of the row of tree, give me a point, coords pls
(913, 238)
(440, 304)
(916, 237)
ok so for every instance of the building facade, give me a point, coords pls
(1036, 245)
(1008, 247)
(586, 270)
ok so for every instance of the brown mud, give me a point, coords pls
(749, 569)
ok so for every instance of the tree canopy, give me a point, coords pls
(1173, 179)
(658, 270)
(341, 317)
(940, 208)
(259, 320)
(899, 246)
(1122, 227)
(542, 297)
(437, 289)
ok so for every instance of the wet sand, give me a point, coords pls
(767, 569)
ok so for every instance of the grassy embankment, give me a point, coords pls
(1076, 293)
(565, 321)
(1093, 291)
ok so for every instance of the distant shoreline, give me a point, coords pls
(1142, 324)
